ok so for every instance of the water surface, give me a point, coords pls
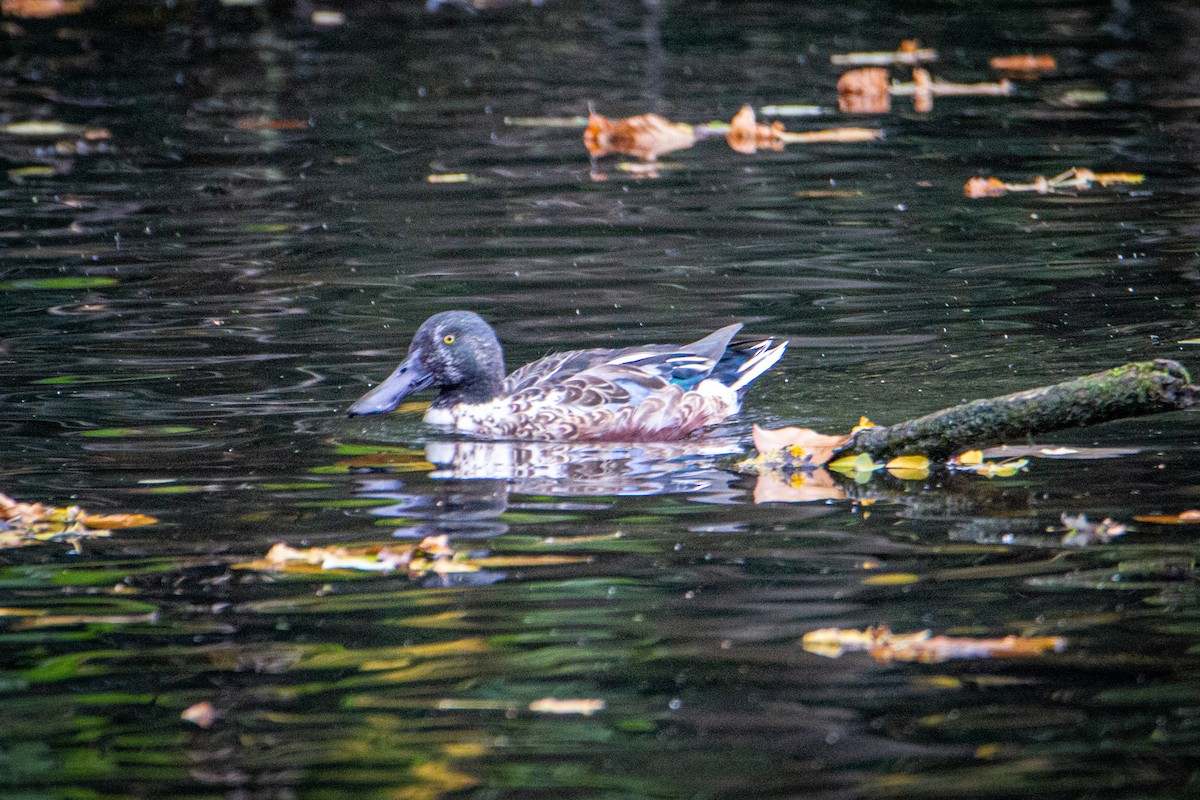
(188, 306)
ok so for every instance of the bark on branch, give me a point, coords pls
(1148, 387)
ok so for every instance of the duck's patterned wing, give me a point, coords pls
(684, 365)
(606, 402)
(552, 368)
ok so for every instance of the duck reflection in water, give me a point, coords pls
(472, 481)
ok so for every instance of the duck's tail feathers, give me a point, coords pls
(763, 356)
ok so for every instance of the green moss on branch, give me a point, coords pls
(1149, 387)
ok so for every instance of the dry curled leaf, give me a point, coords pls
(796, 444)
(646, 136)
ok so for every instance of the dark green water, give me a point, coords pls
(187, 308)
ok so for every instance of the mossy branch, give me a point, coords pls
(1132, 390)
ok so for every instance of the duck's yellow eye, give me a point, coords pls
(448, 338)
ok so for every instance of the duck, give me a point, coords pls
(649, 393)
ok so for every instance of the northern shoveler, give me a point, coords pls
(634, 394)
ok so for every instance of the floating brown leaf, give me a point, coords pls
(864, 91)
(646, 136)
(260, 124)
(433, 554)
(42, 9)
(23, 524)
(1023, 66)
(976, 188)
(747, 135)
(923, 646)
(1189, 517)
(1074, 179)
(868, 90)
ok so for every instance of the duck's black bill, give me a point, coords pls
(408, 378)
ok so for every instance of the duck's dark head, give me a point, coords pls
(455, 351)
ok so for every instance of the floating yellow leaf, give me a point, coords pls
(909, 462)
(42, 128)
(891, 579)
(114, 521)
(969, 458)
(863, 424)
(860, 464)
(832, 642)
(909, 468)
(1111, 178)
(1001, 469)
(18, 174)
(438, 779)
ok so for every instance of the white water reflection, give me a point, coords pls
(561, 468)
